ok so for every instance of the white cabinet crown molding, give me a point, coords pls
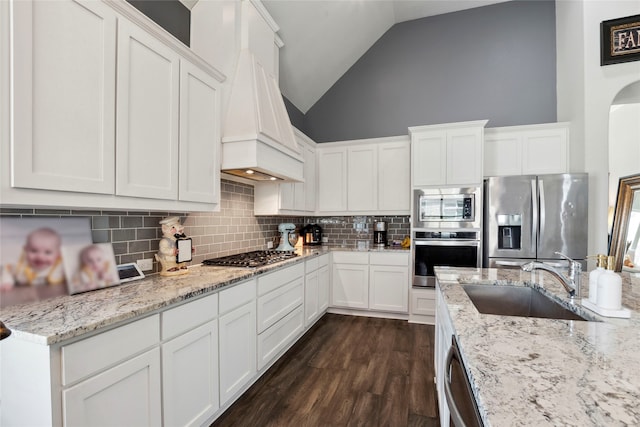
(448, 126)
(146, 23)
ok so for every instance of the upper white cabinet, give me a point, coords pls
(64, 96)
(527, 150)
(199, 168)
(122, 110)
(332, 179)
(364, 176)
(448, 154)
(147, 115)
(290, 198)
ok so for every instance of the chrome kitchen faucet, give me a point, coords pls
(572, 282)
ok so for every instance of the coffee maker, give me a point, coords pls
(380, 234)
(312, 235)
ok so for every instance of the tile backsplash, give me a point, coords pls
(135, 235)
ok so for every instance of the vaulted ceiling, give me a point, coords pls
(324, 38)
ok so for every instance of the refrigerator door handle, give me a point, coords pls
(542, 207)
(534, 211)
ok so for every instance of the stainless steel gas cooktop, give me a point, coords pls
(251, 259)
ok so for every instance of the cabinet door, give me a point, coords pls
(332, 179)
(237, 344)
(350, 286)
(190, 376)
(362, 178)
(311, 295)
(502, 155)
(429, 158)
(389, 288)
(147, 114)
(394, 180)
(464, 156)
(324, 281)
(545, 151)
(310, 179)
(199, 165)
(64, 96)
(444, 332)
(126, 395)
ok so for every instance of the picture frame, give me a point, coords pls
(620, 40)
(90, 267)
(129, 272)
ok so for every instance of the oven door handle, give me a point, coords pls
(449, 242)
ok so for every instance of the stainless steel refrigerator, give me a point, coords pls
(531, 217)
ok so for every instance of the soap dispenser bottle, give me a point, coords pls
(609, 293)
(601, 262)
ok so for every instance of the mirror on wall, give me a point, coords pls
(624, 170)
(625, 236)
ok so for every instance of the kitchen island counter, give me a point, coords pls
(51, 321)
(531, 371)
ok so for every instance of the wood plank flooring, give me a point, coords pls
(346, 371)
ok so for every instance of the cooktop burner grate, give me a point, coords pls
(251, 259)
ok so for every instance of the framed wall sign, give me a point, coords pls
(620, 40)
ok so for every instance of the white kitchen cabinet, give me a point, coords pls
(147, 115)
(527, 150)
(448, 154)
(324, 284)
(104, 118)
(280, 336)
(290, 198)
(237, 338)
(350, 280)
(199, 160)
(362, 178)
(443, 335)
(394, 179)
(128, 394)
(190, 376)
(311, 297)
(422, 305)
(64, 96)
(332, 179)
(389, 282)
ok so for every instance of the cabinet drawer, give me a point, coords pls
(386, 258)
(323, 260)
(279, 336)
(189, 315)
(423, 301)
(271, 281)
(98, 352)
(311, 265)
(237, 296)
(275, 305)
(351, 257)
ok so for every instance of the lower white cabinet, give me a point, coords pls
(237, 350)
(190, 376)
(422, 306)
(444, 333)
(316, 288)
(324, 284)
(377, 281)
(278, 337)
(311, 297)
(350, 280)
(127, 394)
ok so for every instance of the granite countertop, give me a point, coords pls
(534, 372)
(52, 321)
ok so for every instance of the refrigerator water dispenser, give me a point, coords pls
(509, 231)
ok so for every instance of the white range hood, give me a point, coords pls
(258, 142)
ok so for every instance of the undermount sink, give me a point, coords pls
(521, 301)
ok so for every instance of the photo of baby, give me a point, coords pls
(31, 256)
(90, 267)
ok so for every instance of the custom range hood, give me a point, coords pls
(258, 142)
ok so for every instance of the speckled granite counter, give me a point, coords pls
(62, 318)
(534, 372)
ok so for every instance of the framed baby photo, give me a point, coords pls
(31, 258)
(90, 267)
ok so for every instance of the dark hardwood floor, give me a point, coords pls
(346, 371)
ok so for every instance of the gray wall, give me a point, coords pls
(496, 62)
(296, 116)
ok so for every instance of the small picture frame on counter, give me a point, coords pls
(129, 272)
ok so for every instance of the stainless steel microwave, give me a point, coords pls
(447, 207)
